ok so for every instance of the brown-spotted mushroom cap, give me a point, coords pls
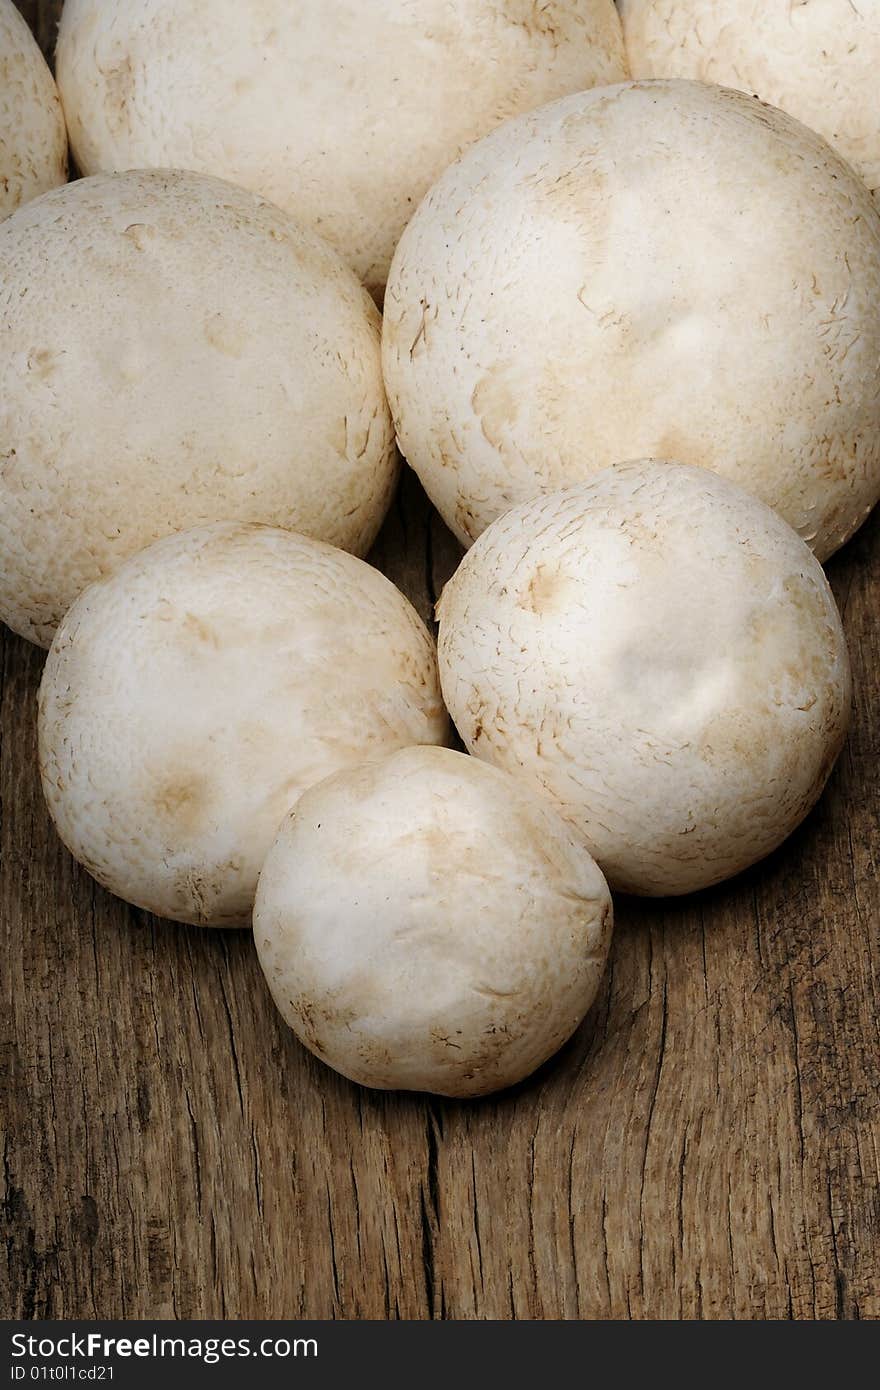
(175, 351)
(660, 654)
(190, 698)
(341, 111)
(817, 59)
(426, 923)
(653, 270)
(33, 138)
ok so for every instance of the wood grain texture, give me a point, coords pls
(707, 1146)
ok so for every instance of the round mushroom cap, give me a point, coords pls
(341, 111)
(425, 923)
(818, 61)
(33, 137)
(653, 270)
(661, 654)
(175, 351)
(189, 699)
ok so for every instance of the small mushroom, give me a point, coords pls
(189, 700)
(661, 655)
(33, 137)
(175, 351)
(426, 923)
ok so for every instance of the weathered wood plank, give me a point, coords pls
(706, 1146)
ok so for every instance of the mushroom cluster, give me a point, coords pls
(630, 345)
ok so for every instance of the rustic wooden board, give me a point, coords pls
(706, 1146)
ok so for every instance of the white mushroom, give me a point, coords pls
(425, 923)
(341, 111)
(661, 654)
(662, 270)
(189, 699)
(33, 138)
(175, 351)
(817, 59)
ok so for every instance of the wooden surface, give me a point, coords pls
(706, 1146)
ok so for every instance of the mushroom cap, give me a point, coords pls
(192, 696)
(343, 112)
(818, 61)
(425, 923)
(653, 270)
(661, 654)
(33, 138)
(176, 351)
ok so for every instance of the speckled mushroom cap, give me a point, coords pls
(817, 59)
(33, 138)
(661, 654)
(425, 923)
(663, 270)
(190, 698)
(341, 111)
(175, 351)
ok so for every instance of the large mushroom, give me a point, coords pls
(33, 137)
(658, 269)
(176, 351)
(190, 698)
(659, 654)
(341, 111)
